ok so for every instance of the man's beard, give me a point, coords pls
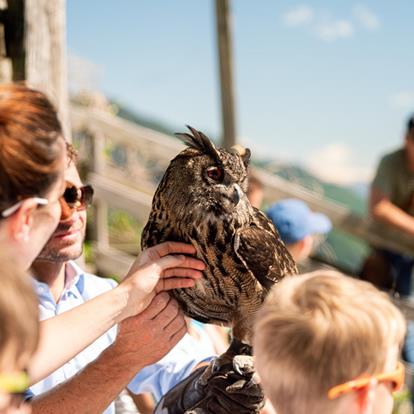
(52, 254)
(56, 255)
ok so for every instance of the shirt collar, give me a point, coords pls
(74, 282)
(73, 275)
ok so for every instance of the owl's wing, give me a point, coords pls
(263, 252)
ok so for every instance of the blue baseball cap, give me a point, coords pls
(295, 220)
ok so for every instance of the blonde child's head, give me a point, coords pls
(319, 330)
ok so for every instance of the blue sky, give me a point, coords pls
(327, 84)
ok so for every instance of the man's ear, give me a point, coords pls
(305, 247)
(20, 223)
(365, 398)
(308, 242)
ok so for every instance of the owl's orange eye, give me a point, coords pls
(215, 173)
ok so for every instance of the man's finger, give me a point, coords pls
(183, 272)
(174, 326)
(180, 261)
(157, 305)
(165, 317)
(170, 247)
(174, 283)
(174, 339)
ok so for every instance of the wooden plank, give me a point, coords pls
(101, 222)
(98, 149)
(123, 132)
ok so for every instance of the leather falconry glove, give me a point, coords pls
(225, 386)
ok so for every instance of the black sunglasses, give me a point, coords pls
(78, 197)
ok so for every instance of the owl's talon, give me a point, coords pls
(215, 367)
(243, 364)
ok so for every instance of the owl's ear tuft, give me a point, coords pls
(200, 142)
(244, 153)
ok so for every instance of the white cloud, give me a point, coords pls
(335, 29)
(403, 100)
(298, 16)
(335, 163)
(329, 28)
(366, 17)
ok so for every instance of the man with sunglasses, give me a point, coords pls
(93, 379)
(326, 343)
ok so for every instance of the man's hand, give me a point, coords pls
(145, 338)
(141, 340)
(226, 386)
(162, 267)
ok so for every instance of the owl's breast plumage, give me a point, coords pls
(227, 284)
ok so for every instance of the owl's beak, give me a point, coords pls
(237, 194)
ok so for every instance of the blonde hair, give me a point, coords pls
(19, 323)
(319, 330)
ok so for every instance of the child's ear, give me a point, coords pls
(366, 397)
(21, 221)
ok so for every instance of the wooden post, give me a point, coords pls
(223, 20)
(45, 45)
(35, 42)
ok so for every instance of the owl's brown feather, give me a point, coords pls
(243, 252)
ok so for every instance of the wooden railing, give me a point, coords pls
(125, 180)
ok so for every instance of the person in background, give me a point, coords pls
(19, 335)
(335, 339)
(300, 228)
(255, 191)
(392, 202)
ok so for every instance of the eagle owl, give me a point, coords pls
(202, 200)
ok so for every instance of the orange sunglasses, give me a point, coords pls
(396, 378)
